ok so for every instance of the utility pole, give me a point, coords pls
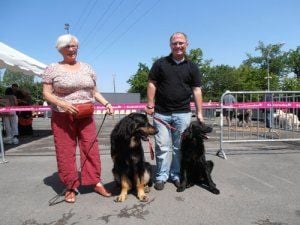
(114, 82)
(268, 57)
(67, 28)
(268, 71)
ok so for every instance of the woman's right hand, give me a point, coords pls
(68, 108)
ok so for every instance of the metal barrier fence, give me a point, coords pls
(250, 115)
(259, 116)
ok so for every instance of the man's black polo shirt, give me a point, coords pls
(174, 84)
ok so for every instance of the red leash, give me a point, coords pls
(164, 123)
(151, 149)
(149, 142)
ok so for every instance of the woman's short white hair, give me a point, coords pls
(65, 40)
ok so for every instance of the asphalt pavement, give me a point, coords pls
(259, 184)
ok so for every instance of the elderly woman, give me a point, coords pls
(67, 85)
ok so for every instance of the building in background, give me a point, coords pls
(118, 98)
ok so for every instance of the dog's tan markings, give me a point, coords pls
(148, 130)
(133, 142)
(147, 189)
(125, 186)
(146, 181)
(140, 185)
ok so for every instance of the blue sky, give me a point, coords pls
(116, 35)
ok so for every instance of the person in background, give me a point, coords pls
(171, 83)
(65, 84)
(269, 111)
(25, 117)
(17, 92)
(46, 113)
(10, 119)
(15, 88)
(228, 112)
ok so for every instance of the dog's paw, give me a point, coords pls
(180, 189)
(143, 198)
(121, 198)
(147, 189)
(189, 185)
(215, 190)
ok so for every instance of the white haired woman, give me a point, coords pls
(67, 85)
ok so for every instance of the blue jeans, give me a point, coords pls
(167, 144)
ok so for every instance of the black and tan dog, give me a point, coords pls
(195, 169)
(130, 169)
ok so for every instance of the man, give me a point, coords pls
(172, 80)
(15, 88)
(17, 92)
(269, 111)
(228, 99)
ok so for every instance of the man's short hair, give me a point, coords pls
(185, 36)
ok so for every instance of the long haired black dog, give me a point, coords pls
(130, 169)
(195, 169)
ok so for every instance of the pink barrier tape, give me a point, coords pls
(263, 105)
(141, 106)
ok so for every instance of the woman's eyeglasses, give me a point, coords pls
(71, 46)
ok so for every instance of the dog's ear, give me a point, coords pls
(130, 128)
(125, 128)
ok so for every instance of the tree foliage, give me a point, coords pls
(11, 77)
(291, 84)
(219, 79)
(271, 63)
(196, 56)
(25, 82)
(138, 81)
(293, 61)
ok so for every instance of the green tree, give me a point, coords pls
(272, 63)
(291, 84)
(25, 82)
(11, 77)
(138, 81)
(219, 79)
(196, 56)
(293, 61)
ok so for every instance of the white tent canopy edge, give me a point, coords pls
(14, 60)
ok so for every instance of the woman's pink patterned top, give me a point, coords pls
(71, 86)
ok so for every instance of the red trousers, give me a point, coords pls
(68, 132)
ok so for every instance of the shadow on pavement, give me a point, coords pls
(25, 139)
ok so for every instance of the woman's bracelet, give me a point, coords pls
(106, 104)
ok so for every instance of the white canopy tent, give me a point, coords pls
(17, 61)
